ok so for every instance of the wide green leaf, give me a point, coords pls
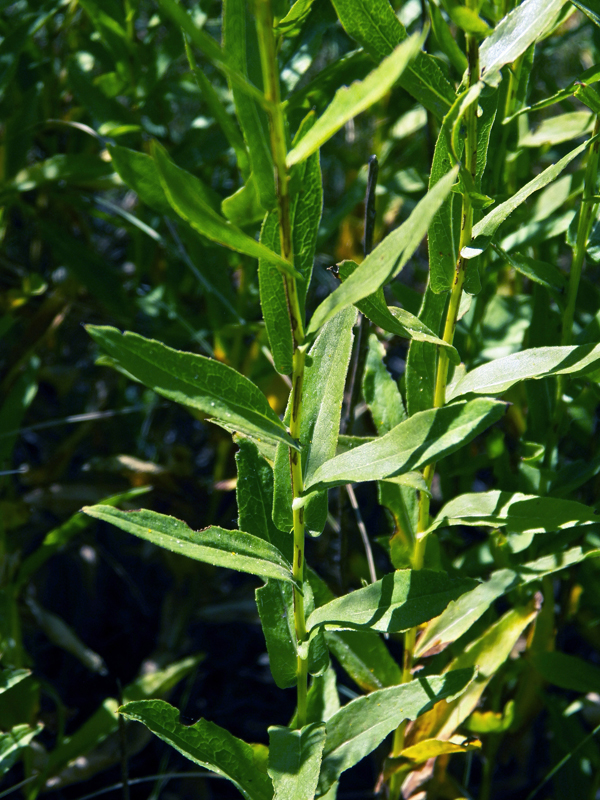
(205, 744)
(275, 601)
(497, 376)
(387, 259)
(189, 197)
(295, 760)
(351, 101)
(461, 614)
(421, 439)
(361, 725)
(194, 381)
(485, 229)
(515, 33)
(393, 319)
(222, 548)
(399, 601)
(375, 26)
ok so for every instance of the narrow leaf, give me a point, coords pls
(295, 760)
(187, 195)
(222, 548)
(193, 381)
(421, 439)
(401, 600)
(497, 376)
(380, 390)
(421, 363)
(485, 229)
(351, 101)
(140, 173)
(275, 609)
(388, 258)
(14, 740)
(205, 744)
(359, 727)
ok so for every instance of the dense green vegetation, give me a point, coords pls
(352, 425)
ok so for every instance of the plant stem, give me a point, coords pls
(441, 379)
(270, 71)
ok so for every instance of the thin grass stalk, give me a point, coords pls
(270, 71)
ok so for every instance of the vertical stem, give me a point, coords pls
(270, 71)
(441, 379)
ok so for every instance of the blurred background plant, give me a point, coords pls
(89, 615)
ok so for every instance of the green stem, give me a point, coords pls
(268, 57)
(441, 379)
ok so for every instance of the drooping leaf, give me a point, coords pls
(351, 101)
(485, 229)
(223, 548)
(497, 376)
(358, 727)
(421, 439)
(461, 614)
(387, 259)
(194, 381)
(399, 601)
(275, 608)
(432, 748)
(588, 76)
(188, 196)
(375, 26)
(515, 33)
(295, 760)
(205, 744)
(590, 9)
(395, 320)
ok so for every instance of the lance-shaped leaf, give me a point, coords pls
(359, 727)
(188, 196)
(349, 101)
(10, 677)
(193, 381)
(419, 440)
(568, 672)
(205, 744)
(222, 548)
(376, 27)
(461, 614)
(295, 760)
(485, 229)
(395, 320)
(591, 75)
(517, 512)
(497, 376)
(388, 258)
(380, 390)
(140, 173)
(274, 601)
(399, 601)
(14, 740)
(421, 363)
(515, 33)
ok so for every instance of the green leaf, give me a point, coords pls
(77, 169)
(515, 33)
(10, 677)
(562, 128)
(374, 25)
(542, 272)
(388, 258)
(243, 207)
(567, 672)
(351, 101)
(380, 390)
(591, 75)
(254, 495)
(461, 614)
(189, 198)
(395, 320)
(422, 358)
(275, 608)
(222, 548)
(322, 393)
(14, 740)
(241, 46)
(140, 173)
(497, 376)
(295, 760)
(467, 19)
(205, 744)
(399, 601)
(359, 727)
(446, 40)
(485, 229)
(519, 513)
(590, 9)
(291, 24)
(421, 439)
(194, 381)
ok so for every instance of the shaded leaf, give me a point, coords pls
(10, 677)
(14, 740)
(275, 608)
(205, 744)
(566, 671)
(295, 760)
(223, 548)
